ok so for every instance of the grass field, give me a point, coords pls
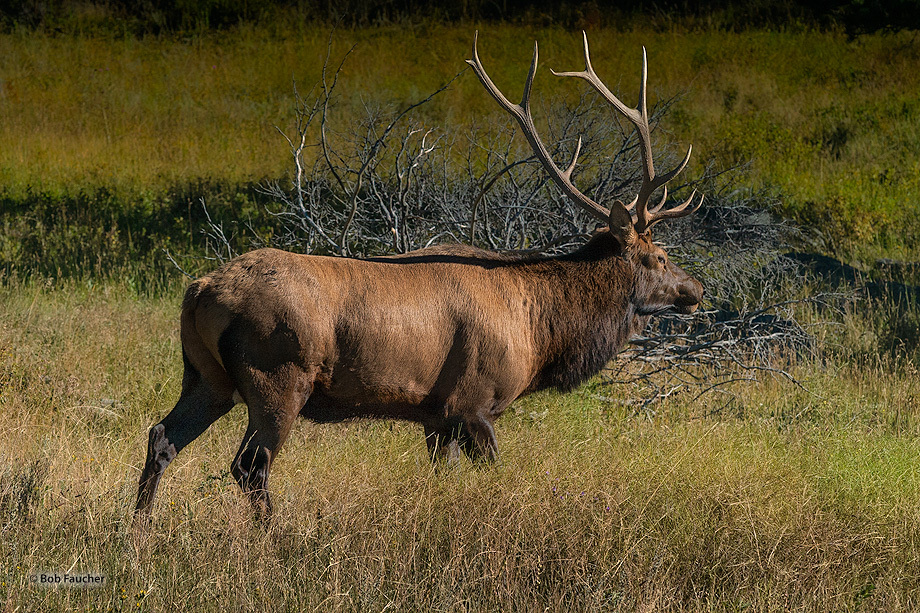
(830, 124)
(771, 498)
(778, 499)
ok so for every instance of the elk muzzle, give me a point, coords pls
(689, 295)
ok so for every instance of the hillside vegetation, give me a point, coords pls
(142, 127)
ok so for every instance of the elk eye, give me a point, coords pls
(661, 260)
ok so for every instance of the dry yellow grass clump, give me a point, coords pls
(779, 500)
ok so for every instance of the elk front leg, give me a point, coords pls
(442, 443)
(479, 441)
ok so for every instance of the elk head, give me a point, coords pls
(658, 284)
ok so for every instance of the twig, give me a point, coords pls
(176, 264)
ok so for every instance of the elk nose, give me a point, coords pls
(692, 292)
(692, 288)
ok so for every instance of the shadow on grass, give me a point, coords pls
(889, 292)
(105, 233)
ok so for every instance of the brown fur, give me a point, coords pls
(447, 337)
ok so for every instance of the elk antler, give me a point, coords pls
(521, 112)
(645, 217)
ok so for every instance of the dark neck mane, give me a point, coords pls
(581, 315)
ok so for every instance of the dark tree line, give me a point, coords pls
(167, 16)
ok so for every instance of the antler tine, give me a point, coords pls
(666, 178)
(680, 210)
(568, 171)
(664, 197)
(645, 217)
(591, 77)
(521, 112)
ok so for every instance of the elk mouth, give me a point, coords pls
(687, 301)
(683, 307)
(686, 308)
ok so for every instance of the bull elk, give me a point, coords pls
(446, 337)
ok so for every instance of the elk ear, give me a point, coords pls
(621, 225)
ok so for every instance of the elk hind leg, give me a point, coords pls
(198, 407)
(271, 415)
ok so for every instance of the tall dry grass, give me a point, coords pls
(777, 499)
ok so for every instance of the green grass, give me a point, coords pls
(779, 499)
(830, 123)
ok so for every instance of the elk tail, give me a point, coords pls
(202, 362)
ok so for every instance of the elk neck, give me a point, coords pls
(581, 311)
